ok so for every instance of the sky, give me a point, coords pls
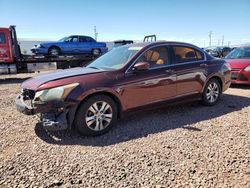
(172, 20)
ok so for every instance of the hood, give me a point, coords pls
(238, 63)
(35, 82)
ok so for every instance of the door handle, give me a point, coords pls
(170, 71)
(204, 65)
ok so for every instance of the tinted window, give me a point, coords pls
(2, 38)
(82, 39)
(89, 39)
(186, 54)
(156, 57)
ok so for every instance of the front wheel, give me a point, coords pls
(54, 51)
(211, 93)
(96, 115)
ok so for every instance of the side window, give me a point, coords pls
(2, 38)
(73, 39)
(89, 39)
(82, 39)
(187, 54)
(156, 57)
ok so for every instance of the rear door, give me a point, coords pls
(86, 44)
(190, 67)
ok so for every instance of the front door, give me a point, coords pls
(156, 84)
(71, 45)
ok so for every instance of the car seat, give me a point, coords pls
(154, 57)
(190, 55)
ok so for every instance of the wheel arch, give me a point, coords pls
(217, 77)
(54, 46)
(97, 48)
(73, 112)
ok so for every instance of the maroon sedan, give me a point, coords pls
(239, 60)
(125, 79)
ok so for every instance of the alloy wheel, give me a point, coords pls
(212, 92)
(54, 51)
(99, 116)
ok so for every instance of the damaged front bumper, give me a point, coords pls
(53, 114)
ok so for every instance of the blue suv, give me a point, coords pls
(74, 44)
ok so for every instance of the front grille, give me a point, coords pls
(28, 94)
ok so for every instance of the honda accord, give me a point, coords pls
(125, 79)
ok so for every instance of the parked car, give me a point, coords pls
(218, 51)
(118, 43)
(239, 60)
(72, 45)
(212, 52)
(128, 78)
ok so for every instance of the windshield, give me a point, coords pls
(115, 59)
(115, 45)
(239, 53)
(63, 39)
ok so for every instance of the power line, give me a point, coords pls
(96, 33)
(210, 37)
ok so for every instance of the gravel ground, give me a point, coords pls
(188, 145)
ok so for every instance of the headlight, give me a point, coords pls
(57, 93)
(247, 68)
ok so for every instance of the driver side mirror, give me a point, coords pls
(141, 66)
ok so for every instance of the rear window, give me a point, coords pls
(2, 38)
(187, 54)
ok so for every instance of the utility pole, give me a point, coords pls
(228, 43)
(218, 42)
(222, 41)
(210, 37)
(95, 31)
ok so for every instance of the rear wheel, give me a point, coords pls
(96, 115)
(211, 93)
(96, 52)
(54, 51)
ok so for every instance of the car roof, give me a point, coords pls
(148, 44)
(79, 36)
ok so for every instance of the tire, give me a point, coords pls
(92, 122)
(96, 52)
(211, 93)
(54, 51)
